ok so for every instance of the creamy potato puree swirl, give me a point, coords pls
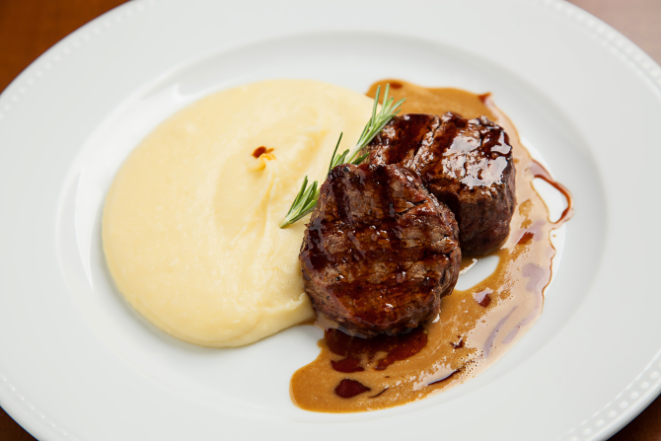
(190, 225)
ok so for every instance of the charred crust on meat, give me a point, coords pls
(466, 163)
(380, 251)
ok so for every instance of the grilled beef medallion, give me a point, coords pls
(380, 251)
(466, 163)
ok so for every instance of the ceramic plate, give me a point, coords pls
(76, 363)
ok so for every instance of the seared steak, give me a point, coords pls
(467, 164)
(380, 251)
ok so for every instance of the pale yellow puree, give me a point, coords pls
(190, 225)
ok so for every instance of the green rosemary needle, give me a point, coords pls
(307, 197)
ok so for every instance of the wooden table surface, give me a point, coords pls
(30, 27)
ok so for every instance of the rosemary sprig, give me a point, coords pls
(307, 197)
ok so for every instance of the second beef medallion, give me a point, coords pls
(466, 163)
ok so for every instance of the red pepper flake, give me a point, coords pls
(259, 151)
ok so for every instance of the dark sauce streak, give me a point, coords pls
(350, 388)
(446, 378)
(539, 171)
(357, 350)
(482, 298)
(526, 238)
(459, 344)
(379, 394)
(347, 365)
(259, 151)
(403, 348)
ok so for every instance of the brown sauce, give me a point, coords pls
(475, 327)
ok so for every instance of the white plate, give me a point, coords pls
(77, 364)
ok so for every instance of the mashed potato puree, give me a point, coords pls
(190, 225)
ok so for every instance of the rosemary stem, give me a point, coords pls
(307, 197)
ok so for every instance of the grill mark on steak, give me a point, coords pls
(399, 143)
(379, 251)
(466, 164)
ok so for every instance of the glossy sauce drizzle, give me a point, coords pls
(475, 327)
